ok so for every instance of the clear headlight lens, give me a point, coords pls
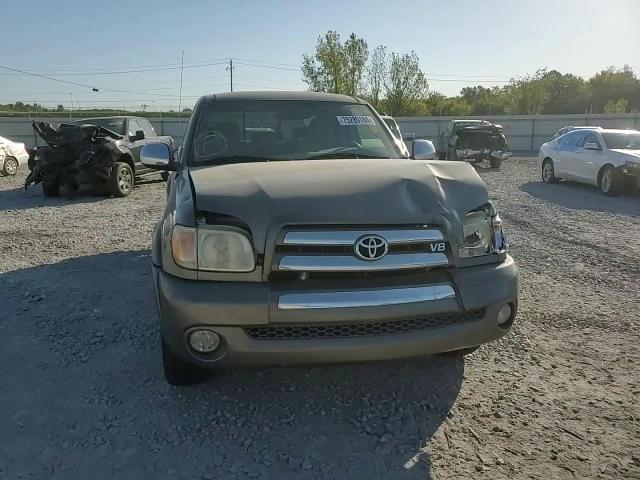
(224, 250)
(221, 249)
(477, 232)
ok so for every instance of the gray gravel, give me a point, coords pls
(83, 396)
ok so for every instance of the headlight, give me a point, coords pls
(220, 248)
(482, 233)
(631, 164)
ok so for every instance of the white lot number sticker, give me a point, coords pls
(355, 120)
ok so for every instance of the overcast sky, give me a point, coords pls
(460, 43)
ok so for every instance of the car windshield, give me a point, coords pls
(624, 141)
(116, 125)
(264, 130)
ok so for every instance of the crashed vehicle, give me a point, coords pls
(298, 230)
(474, 141)
(78, 155)
(12, 156)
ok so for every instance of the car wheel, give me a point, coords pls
(548, 172)
(495, 163)
(460, 353)
(178, 372)
(164, 176)
(609, 181)
(10, 167)
(51, 189)
(122, 180)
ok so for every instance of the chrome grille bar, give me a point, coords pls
(349, 237)
(364, 298)
(343, 263)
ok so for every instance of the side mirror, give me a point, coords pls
(423, 150)
(591, 146)
(138, 136)
(158, 156)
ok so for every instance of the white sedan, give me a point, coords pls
(609, 159)
(12, 156)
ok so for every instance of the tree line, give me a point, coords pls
(395, 84)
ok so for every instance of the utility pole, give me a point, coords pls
(71, 95)
(230, 68)
(180, 94)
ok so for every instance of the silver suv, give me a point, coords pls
(299, 230)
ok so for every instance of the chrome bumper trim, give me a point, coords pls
(344, 263)
(349, 237)
(364, 298)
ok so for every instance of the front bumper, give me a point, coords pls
(233, 309)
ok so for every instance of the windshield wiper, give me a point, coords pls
(238, 159)
(342, 155)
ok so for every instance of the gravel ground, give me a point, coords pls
(83, 395)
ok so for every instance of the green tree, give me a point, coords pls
(60, 108)
(377, 75)
(324, 70)
(612, 84)
(406, 84)
(356, 53)
(616, 106)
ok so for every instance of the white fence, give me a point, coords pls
(523, 132)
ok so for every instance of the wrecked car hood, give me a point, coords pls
(355, 191)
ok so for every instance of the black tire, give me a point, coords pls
(164, 176)
(178, 372)
(609, 181)
(548, 171)
(495, 163)
(460, 353)
(10, 166)
(122, 180)
(51, 189)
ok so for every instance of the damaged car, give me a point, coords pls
(12, 156)
(474, 141)
(298, 230)
(77, 155)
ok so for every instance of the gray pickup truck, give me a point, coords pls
(298, 229)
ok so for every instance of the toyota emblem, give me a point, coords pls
(371, 247)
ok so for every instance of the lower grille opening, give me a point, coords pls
(345, 330)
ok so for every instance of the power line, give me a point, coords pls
(50, 78)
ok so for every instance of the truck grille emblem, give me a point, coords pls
(371, 247)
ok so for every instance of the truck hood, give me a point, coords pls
(270, 195)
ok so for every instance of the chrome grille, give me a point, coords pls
(332, 250)
(346, 330)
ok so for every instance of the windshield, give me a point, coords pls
(624, 141)
(116, 125)
(263, 130)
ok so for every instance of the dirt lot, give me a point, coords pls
(83, 396)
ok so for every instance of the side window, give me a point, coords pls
(570, 138)
(592, 138)
(132, 127)
(147, 128)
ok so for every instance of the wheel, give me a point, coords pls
(460, 353)
(51, 189)
(610, 181)
(178, 372)
(495, 162)
(548, 172)
(121, 179)
(10, 166)
(164, 176)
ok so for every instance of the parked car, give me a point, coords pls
(319, 240)
(393, 126)
(607, 158)
(135, 132)
(12, 156)
(473, 141)
(571, 128)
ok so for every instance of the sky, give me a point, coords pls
(104, 45)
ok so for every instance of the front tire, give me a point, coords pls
(495, 163)
(122, 180)
(548, 172)
(10, 167)
(178, 372)
(610, 181)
